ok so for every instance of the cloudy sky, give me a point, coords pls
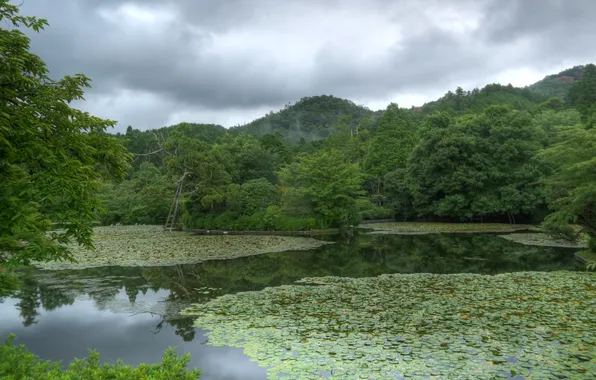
(160, 62)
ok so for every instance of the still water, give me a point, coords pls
(130, 313)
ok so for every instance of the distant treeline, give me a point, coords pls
(496, 153)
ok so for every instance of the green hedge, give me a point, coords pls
(18, 363)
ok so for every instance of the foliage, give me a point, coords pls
(424, 227)
(16, 362)
(8, 283)
(420, 325)
(571, 185)
(251, 197)
(310, 118)
(52, 157)
(329, 183)
(145, 198)
(558, 85)
(463, 102)
(394, 140)
(583, 93)
(474, 161)
(150, 246)
(476, 165)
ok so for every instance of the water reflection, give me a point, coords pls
(68, 332)
(132, 312)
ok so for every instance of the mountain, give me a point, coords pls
(557, 84)
(311, 118)
(462, 102)
(314, 118)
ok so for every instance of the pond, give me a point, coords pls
(132, 313)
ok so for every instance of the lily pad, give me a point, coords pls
(540, 325)
(416, 228)
(540, 239)
(151, 246)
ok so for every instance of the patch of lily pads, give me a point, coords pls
(541, 239)
(151, 246)
(418, 228)
(532, 325)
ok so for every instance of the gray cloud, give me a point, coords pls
(155, 62)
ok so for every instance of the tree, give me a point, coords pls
(571, 184)
(144, 199)
(330, 183)
(476, 165)
(395, 138)
(253, 196)
(583, 93)
(53, 157)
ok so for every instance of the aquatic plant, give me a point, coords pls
(540, 239)
(16, 362)
(410, 228)
(151, 246)
(528, 324)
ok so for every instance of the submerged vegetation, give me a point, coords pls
(151, 245)
(531, 324)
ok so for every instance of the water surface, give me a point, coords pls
(130, 313)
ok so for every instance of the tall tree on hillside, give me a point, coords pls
(583, 93)
(52, 157)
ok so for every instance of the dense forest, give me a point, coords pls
(498, 153)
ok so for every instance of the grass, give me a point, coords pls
(411, 228)
(151, 246)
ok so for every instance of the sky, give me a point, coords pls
(155, 63)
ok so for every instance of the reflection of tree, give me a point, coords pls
(29, 301)
(359, 256)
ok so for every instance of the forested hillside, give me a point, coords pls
(499, 153)
(558, 84)
(311, 118)
(461, 102)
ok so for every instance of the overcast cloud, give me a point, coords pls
(160, 62)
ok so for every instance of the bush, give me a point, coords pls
(369, 210)
(18, 363)
(273, 219)
(592, 244)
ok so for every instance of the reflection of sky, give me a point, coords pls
(69, 331)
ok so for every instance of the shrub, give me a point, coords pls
(18, 363)
(592, 244)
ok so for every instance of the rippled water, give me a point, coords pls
(131, 313)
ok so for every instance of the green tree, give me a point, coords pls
(394, 140)
(253, 196)
(329, 183)
(53, 158)
(144, 199)
(571, 184)
(583, 93)
(476, 165)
